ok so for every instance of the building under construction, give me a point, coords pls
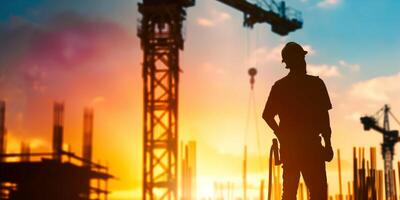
(60, 174)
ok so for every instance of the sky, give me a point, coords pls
(86, 53)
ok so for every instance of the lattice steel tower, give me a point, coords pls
(161, 39)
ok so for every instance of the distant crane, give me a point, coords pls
(390, 138)
(161, 37)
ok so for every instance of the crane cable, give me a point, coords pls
(252, 109)
(247, 50)
(256, 116)
(395, 118)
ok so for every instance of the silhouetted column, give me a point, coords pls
(2, 129)
(87, 136)
(25, 151)
(58, 129)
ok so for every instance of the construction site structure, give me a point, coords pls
(367, 181)
(57, 175)
(390, 138)
(161, 37)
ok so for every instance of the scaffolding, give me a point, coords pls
(60, 174)
(43, 178)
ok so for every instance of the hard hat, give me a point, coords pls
(292, 49)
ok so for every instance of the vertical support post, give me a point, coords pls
(301, 191)
(58, 130)
(25, 151)
(184, 172)
(106, 185)
(193, 167)
(87, 144)
(262, 189)
(188, 170)
(349, 191)
(340, 176)
(2, 129)
(87, 136)
(245, 173)
(355, 174)
(393, 173)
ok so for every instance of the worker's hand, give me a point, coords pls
(328, 153)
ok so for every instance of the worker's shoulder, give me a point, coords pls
(280, 82)
(289, 82)
(314, 78)
(288, 79)
(314, 81)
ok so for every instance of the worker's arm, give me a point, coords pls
(270, 111)
(326, 134)
(326, 131)
(270, 119)
(325, 106)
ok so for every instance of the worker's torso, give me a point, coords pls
(300, 111)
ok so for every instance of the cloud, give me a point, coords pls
(366, 97)
(205, 22)
(98, 100)
(327, 3)
(324, 70)
(264, 55)
(211, 68)
(217, 17)
(355, 116)
(352, 67)
(310, 50)
(31, 53)
(378, 90)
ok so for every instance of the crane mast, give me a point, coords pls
(160, 31)
(390, 138)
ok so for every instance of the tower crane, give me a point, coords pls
(160, 31)
(390, 138)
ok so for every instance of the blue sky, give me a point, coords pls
(364, 32)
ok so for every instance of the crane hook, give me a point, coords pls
(252, 72)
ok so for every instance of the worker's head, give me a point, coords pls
(293, 55)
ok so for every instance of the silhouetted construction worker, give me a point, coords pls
(302, 102)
